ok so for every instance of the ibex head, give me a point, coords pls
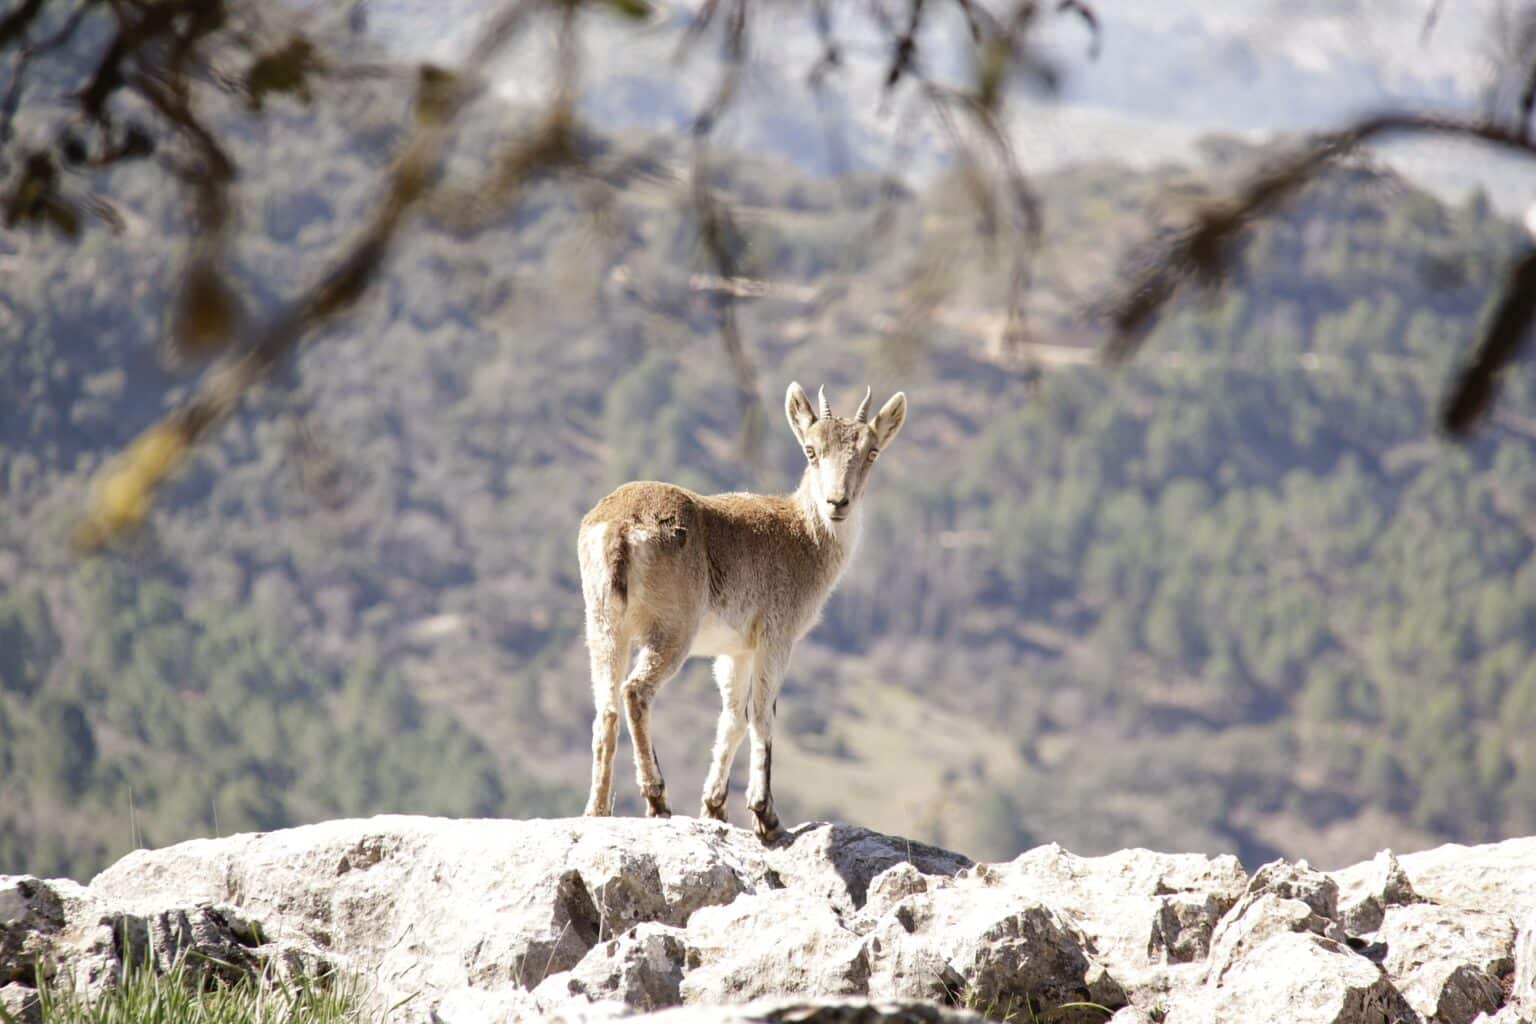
(840, 451)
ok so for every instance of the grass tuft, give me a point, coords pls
(189, 993)
(1015, 1010)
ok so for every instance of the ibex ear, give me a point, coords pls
(798, 408)
(889, 419)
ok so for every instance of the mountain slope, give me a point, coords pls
(1234, 598)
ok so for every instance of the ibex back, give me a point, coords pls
(737, 577)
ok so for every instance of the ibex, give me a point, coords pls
(737, 577)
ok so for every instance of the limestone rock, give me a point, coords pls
(431, 906)
(816, 1011)
(1510, 1014)
(1446, 992)
(437, 908)
(893, 885)
(1296, 881)
(1365, 896)
(838, 862)
(778, 943)
(1417, 934)
(1524, 990)
(1253, 922)
(1499, 878)
(592, 920)
(20, 1002)
(84, 942)
(971, 943)
(1145, 913)
(1449, 964)
(38, 919)
(1281, 898)
(31, 913)
(641, 969)
(1296, 977)
(222, 943)
(478, 1006)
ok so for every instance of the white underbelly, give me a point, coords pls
(716, 637)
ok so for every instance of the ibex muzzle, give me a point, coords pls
(736, 577)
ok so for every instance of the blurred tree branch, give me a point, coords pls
(153, 65)
(1203, 251)
(125, 490)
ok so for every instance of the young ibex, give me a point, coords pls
(736, 577)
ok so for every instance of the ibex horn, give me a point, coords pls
(863, 414)
(826, 410)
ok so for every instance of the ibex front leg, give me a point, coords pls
(658, 660)
(761, 706)
(734, 674)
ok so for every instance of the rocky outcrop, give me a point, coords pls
(684, 920)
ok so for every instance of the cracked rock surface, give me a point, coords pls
(682, 920)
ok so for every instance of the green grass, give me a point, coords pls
(188, 993)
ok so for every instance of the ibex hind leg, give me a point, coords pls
(657, 661)
(609, 650)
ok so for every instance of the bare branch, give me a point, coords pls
(1509, 330)
(15, 24)
(1203, 248)
(1431, 19)
(125, 490)
(716, 232)
(1090, 19)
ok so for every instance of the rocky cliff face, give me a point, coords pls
(580, 920)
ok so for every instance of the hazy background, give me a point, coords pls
(1238, 597)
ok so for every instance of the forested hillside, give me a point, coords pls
(1235, 597)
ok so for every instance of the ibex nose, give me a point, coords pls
(838, 503)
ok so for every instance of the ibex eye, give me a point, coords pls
(810, 453)
(872, 453)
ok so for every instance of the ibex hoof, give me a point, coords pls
(656, 807)
(715, 811)
(766, 825)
